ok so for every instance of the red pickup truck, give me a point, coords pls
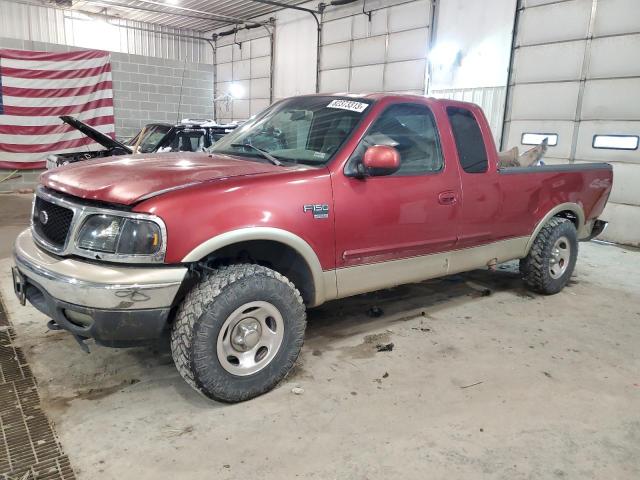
(319, 197)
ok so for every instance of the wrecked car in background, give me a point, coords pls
(186, 136)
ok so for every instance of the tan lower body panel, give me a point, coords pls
(375, 276)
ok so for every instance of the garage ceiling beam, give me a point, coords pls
(120, 6)
(286, 5)
(183, 11)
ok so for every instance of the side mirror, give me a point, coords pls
(380, 160)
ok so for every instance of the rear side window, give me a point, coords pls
(469, 141)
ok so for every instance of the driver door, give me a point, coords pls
(395, 229)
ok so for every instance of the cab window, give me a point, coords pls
(411, 130)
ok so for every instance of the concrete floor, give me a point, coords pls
(506, 386)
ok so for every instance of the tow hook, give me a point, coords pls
(52, 325)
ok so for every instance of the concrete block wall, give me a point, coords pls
(145, 90)
(148, 89)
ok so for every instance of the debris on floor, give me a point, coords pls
(481, 290)
(385, 347)
(471, 385)
(297, 390)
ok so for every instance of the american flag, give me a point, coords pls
(36, 88)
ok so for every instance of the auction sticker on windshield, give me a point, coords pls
(348, 105)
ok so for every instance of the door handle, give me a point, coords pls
(447, 198)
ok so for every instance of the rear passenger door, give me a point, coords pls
(481, 195)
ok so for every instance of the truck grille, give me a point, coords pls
(52, 222)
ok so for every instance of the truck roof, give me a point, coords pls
(376, 96)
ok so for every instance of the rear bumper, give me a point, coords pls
(116, 305)
(597, 228)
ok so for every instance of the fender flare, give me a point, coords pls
(574, 208)
(324, 283)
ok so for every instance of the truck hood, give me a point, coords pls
(131, 179)
(105, 140)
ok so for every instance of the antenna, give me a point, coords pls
(184, 68)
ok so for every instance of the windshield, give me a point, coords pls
(151, 135)
(186, 140)
(306, 130)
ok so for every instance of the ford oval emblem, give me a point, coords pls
(43, 216)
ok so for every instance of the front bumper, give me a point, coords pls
(116, 305)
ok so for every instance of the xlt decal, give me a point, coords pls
(319, 210)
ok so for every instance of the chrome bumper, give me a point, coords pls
(93, 285)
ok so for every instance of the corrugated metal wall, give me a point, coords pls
(65, 27)
(491, 99)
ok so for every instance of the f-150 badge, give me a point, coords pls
(319, 210)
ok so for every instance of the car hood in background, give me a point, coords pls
(105, 140)
(128, 180)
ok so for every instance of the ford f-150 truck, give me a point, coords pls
(317, 198)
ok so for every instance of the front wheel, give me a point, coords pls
(238, 332)
(552, 258)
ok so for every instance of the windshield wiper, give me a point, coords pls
(264, 153)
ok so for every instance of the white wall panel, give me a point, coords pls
(224, 72)
(242, 70)
(550, 62)
(555, 22)
(615, 56)
(400, 76)
(258, 105)
(367, 51)
(367, 79)
(224, 54)
(241, 109)
(408, 45)
(624, 223)
(617, 99)
(589, 128)
(260, 67)
(564, 130)
(604, 99)
(260, 88)
(627, 178)
(332, 81)
(260, 47)
(409, 16)
(336, 55)
(247, 56)
(552, 101)
(295, 54)
(241, 51)
(387, 53)
(363, 28)
(336, 31)
(617, 16)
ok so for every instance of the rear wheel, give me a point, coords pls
(238, 332)
(552, 258)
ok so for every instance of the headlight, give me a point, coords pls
(120, 235)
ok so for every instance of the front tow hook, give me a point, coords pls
(52, 325)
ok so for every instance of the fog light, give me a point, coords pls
(78, 319)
